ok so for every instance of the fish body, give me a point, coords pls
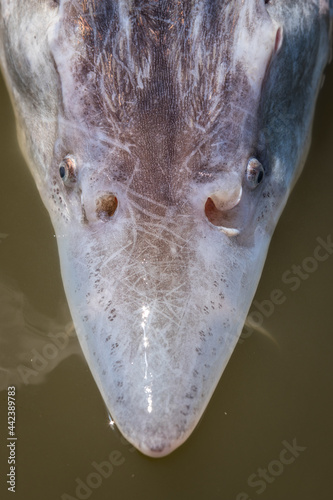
(164, 138)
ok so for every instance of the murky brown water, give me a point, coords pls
(273, 394)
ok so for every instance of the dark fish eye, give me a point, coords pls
(254, 173)
(67, 170)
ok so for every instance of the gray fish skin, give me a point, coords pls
(193, 119)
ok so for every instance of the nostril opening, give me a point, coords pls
(226, 220)
(215, 216)
(106, 206)
(211, 212)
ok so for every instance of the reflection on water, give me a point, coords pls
(267, 432)
(31, 344)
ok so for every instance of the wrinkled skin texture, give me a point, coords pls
(161, 105)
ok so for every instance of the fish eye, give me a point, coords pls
(106, 206)
(67, 170)
(254, 173)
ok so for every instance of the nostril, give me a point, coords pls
(212, 213)
(226, 220)
(106, 206)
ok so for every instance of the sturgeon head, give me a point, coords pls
(164, 137)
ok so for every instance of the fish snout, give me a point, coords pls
(157, 386)
(158, 307)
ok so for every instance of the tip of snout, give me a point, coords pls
(155, 434)
(159, 451)
(154, 447)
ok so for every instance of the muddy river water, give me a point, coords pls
(267, 432)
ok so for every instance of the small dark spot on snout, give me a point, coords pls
(106, 206)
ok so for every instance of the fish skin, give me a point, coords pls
(162, 104)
